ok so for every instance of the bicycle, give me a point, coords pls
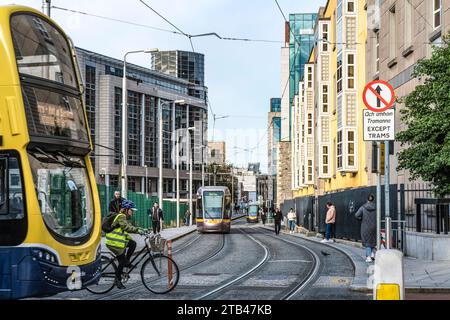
(159, 273)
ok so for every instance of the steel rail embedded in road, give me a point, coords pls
(311, 275)
(236, 279)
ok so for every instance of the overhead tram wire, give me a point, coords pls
(159, 29)
(116, 20)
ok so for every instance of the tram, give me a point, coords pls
(49, 205)
(253, 213)
(213, 209)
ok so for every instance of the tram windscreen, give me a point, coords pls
(49, 83)
(213, 204)
(253, 211)
(64, 194)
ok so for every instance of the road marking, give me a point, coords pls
(301, 261)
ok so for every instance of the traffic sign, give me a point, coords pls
(379, 126)
(378, 96)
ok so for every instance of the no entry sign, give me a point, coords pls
(378, 96)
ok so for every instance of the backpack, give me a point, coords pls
(108, 221)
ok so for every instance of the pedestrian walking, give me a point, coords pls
(292, 216)
(277, 217)
(116, 203)
(187, 217)
(329, 222)
(157, 218)
(367, 214)
(264, 215)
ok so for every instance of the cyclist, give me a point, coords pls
(119, 241)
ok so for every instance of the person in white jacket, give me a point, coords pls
(291, 220)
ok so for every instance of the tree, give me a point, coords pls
(222, 174)
(427, 116)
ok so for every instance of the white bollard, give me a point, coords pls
(388, 277)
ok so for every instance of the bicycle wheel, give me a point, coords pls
(107, 279)
(160, 275)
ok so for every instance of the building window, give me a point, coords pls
(392, 33)
(310, 170)
(325, 37)
(339, 111)
(325, 98)
(351, 71)
(309, 77)
(350, 6)
(339, 150)
(325, 160)
(309, 123)
(150, 116)
(339, 73)
(437, 11)
(351, 148)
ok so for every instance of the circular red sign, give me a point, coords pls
(369, 89)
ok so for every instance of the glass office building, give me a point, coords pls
(275, 105)
(300, 46)
(185, 65)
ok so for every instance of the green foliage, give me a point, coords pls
(223, 176)
(426, 113)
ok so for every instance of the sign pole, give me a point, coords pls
(387, 195)
(378, 195)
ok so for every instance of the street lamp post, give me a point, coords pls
(190, 172)
(124, 186)
(178, 179)
(146, 181)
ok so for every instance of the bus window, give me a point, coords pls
(41, 50)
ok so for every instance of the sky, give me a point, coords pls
(241, 76)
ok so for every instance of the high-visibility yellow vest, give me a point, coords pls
(117, 238)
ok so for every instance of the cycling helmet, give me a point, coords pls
(127, 204)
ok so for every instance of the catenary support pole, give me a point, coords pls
(388, 228)
(378, 194)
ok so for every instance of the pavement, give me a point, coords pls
(420, 276)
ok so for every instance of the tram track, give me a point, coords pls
(138, 286)
(305, 281)
(241, 276)
(312, 274)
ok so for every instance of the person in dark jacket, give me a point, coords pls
(157, 217)
(277, 217)
(116, 204)
(368, 216)
(264, 215)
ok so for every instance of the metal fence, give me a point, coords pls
(412, 207)
(143, 203)
(421, 210)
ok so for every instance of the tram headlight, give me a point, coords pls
(44, 255)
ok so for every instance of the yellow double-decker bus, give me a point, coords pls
(49, 205)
